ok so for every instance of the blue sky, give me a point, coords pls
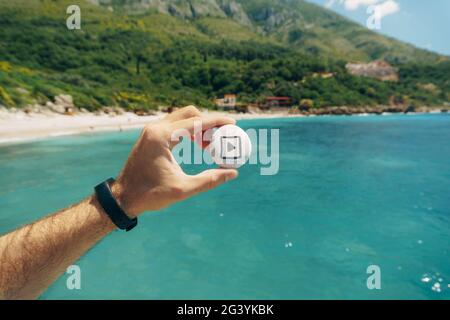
(424, 23)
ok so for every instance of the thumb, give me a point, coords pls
(209, 179)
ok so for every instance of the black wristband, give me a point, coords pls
(112, 208)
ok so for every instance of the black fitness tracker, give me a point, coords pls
(112, 208)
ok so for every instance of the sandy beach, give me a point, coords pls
(19, 126)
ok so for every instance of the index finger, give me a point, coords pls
(183, 113)
(203, 123)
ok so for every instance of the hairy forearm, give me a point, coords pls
(34, 256)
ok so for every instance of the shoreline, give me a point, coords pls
(22, 127)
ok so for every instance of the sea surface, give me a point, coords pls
(351, 192)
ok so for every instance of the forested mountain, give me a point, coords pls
(306, 26)
(146, 53)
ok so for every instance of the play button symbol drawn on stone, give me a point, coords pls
(231, 147)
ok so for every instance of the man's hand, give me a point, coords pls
(152, 179)
(35, 255)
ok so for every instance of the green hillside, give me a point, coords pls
(140, 55)
(316, 30)
(306, 26)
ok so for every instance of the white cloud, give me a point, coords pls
(355, 4)
(381, 7)
(386, 8)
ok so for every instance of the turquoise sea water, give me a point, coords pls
(351, 192)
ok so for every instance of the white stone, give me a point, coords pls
(230, 147)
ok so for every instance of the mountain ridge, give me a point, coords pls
(305, 26)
